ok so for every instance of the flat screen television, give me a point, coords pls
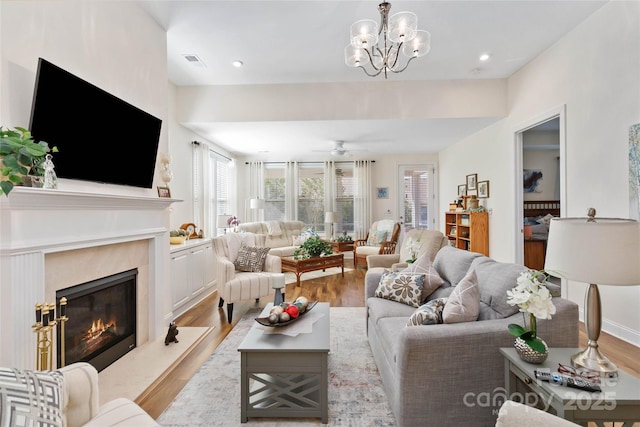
(100, 137)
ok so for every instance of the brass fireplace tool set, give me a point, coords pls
(44, 327)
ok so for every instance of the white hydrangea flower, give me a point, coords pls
(531, 295)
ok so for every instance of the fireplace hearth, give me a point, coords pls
(102, 320)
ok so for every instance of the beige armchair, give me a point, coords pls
(374, 243)
(236, 285)
(420, 241)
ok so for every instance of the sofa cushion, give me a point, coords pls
(379, 308)
(401, 287)
(251, 258)
(452, 263)
(464, 303)
(495, 279)
(29, 398)
(428, 314)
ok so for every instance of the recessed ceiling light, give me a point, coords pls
(485, 57)
(237, 63)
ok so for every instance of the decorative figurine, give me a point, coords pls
(50, 177)
(171, 334)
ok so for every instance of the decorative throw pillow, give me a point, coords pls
(376, 237)
(429, 313)
(251, 258)
(432, 279)
(464, 302)
(30, 398)
(401, 287)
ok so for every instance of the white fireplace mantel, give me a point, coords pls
(35, 222)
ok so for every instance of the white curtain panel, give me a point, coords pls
(362, 197)
(329, 186)
(291, 196)
(199, 158)
(256, 189)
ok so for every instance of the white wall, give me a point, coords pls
(594, 70)
(113, 45)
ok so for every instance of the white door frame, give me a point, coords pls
(557, 112)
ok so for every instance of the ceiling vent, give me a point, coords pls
(193, 60)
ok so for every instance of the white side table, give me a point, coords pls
(618, 401)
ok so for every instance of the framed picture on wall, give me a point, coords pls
(472, 181)
(462, 190)
(483, 189)
(383, 192)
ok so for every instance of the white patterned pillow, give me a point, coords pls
(251, 258)
(30, 398)
(376, 238)
(464, 302)
(401, 287)
(432, 279)
(429, 313)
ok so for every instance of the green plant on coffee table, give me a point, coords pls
(313, 247)
(20, 155)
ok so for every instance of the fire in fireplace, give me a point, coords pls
(102, 320)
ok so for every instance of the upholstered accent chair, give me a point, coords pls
(414, 244)
(235, 285)
(381, 239)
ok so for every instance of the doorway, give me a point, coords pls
(540, 182)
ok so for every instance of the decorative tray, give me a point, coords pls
(264, 321)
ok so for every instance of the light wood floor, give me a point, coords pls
(339, 292)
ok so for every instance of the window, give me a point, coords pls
(274, 192)
(344, 197)
(417, 190)
(311, 195)
(219, 183)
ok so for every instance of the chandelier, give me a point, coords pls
(376, 48)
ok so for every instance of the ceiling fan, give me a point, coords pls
(338, 149)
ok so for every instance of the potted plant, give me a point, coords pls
(313, 247)
(19, 156)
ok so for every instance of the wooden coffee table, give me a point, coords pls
(299, 266)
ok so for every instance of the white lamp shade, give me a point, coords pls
(402, 27)
(221, 222)
(256, 204)
(603, 252)
(330, 217)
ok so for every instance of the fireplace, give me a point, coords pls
(102, 320)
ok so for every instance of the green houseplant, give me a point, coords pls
(313, 247)
(19, 156)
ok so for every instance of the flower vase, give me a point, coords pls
(528, 354)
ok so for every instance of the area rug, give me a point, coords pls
(356, 397)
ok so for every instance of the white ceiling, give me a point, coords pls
(303, 42)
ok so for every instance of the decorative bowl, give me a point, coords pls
(177, 240)
(264, 321)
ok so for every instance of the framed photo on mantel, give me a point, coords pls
(164, 192)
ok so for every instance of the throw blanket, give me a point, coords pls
(273, 228)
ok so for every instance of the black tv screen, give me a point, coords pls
(100, 137)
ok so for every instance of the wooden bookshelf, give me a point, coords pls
(468, 230)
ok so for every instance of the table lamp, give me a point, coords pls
(597, 251)
(330, 218)
(221, 222)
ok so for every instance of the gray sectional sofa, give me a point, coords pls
(443, 374)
